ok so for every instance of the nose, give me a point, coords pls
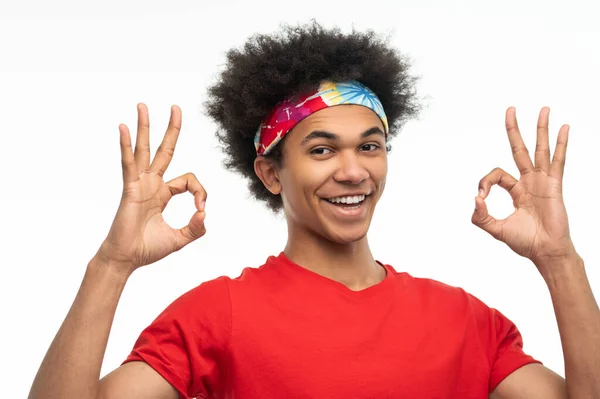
(350, 170)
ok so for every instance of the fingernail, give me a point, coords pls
(202, 205)
(481, 193)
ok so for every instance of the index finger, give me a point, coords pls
(188, 182)
(165, 151)
(195, 228)
(519, 150)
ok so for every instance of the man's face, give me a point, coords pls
(334, 171)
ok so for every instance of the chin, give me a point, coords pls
(346, 236)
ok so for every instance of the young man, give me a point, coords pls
(323, 319)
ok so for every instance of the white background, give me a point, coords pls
(70, 72)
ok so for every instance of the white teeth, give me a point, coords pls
(348, 200)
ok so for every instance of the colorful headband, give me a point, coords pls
(290, 112)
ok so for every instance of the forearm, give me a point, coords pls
(71, 367)
(578, 320)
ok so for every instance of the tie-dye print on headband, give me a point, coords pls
(290, 112)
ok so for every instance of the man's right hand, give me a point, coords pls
(139, 235)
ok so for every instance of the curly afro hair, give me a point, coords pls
(269, 68)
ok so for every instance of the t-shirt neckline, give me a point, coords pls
(318, 279)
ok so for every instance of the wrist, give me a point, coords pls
(109, 269)
(561, 270)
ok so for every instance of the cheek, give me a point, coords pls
(304, 175)
(381, 187)
(299, 182)
(378, 167)
(378, 173)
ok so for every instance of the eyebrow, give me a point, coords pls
(321, 134)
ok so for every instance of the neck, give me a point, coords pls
(350, 264)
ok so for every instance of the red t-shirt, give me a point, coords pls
(281, 331)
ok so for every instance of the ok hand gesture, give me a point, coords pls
(539, 227)
(139, 235)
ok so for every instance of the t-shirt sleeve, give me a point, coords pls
(507, 353)
(187, 344)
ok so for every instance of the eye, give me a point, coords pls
(320, 151)
(369, 147)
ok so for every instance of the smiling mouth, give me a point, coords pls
(348, 202)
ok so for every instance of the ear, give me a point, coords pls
(268, 173)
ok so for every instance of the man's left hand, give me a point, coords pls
(539, 228)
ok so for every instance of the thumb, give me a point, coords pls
(194, 230)
(482, 219)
